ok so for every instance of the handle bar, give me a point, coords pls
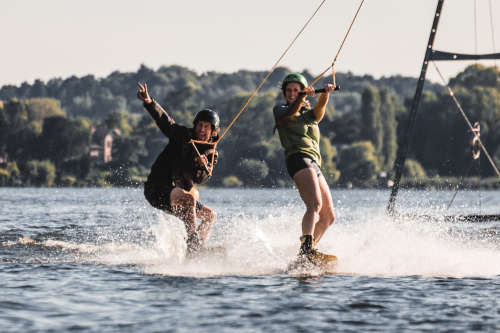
(322, 90)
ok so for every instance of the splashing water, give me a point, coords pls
(377, 246)
(264, 240)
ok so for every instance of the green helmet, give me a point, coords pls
(295, 77)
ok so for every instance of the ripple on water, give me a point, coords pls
(76, 261)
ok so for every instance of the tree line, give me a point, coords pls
(47, 129)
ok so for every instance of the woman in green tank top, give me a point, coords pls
(297, 125)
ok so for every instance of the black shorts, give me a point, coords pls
(159, 197)
(297, 162)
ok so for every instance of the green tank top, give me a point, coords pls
(300, 134)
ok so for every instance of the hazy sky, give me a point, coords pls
(60, 38)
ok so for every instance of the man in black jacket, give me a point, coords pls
(170, 185)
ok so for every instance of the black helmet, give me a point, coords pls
(209, 116)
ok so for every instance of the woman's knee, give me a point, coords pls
(331, 218)
(314, 205)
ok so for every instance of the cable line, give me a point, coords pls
(472, 129)
(340, 49)
(254, 93)
(270, 72)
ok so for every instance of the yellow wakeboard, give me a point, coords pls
(317, 262)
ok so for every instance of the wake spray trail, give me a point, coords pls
(384, 247)
(378, 246)
(265, 245)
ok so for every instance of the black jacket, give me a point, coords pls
(175, 165)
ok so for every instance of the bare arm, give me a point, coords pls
(320, 107)
(295, 107)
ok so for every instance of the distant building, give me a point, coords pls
(103, 153)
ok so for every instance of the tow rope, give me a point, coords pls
(209, 169)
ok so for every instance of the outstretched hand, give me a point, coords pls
(143, 94)
(329, 88)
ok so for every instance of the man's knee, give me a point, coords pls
(212, 216)
(208, 215)
(187, 200)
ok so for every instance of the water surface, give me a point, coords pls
(103, 260)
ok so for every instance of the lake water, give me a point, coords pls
(103, 260)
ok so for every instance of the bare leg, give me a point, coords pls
(208, 218)
(184, 205)
(326, 214)
(308, 185)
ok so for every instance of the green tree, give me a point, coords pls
(18, 133)
(252, 138)
(63, 139)
(68, 181)
(477, 75)
(4, 177)
(41, 108)
(182, 102)
(154, 141)
(441, 142)
(128, 151)
(231, 181)
(14, 173)
(328, 155)
(97, 178)
(40, 173)
(496, 158)
(427, 146)
(4, 123)
(388, 111)
(120, 120)
(358, 163)
(346, 128)
(125, 166)
(413, 169)
(76, 167)
(371, 119)
(252, 171)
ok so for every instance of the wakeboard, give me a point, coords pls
(320, 263)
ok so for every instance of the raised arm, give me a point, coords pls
(160, 116)
(320, 107)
